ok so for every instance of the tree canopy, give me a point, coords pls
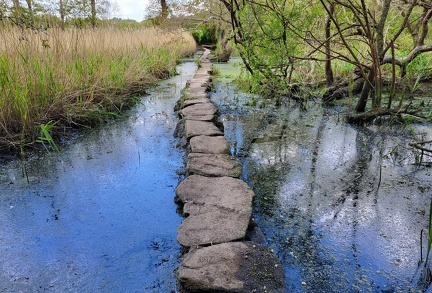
(373, 42)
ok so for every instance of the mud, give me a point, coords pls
(341, 206)
(100, 217)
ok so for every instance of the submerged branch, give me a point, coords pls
(373, 114)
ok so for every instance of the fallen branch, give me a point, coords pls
(373, 114)
(418, 145)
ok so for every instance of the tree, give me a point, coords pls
(377, 29)
(164, 10)
(270, 37)
(93, 12)
(62, 13)
(281, 42)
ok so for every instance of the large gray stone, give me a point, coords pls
(196, 91)
(225, 192)
(213, 165)
(195, 128)
(190, 102)
(211, 225)
(203, 112)
(200, 80)
(218, 209)
(242, 267)
(209, 145)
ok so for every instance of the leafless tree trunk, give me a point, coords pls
(62, 14)
(30, 7)
(164, 9)
(93, 13)
(328, 63)
(16, 8)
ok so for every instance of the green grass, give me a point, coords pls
(56, 79)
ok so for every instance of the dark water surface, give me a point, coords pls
(341, 206)
(100, 217)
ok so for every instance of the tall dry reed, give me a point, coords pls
(75, 75)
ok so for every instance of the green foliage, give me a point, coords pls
(45, 136)
(205, 35)
(429, 244)
(287, 42)
(79, 76)
(269, 43)
(420, 66)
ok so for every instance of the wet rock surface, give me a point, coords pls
(196, 128)
(232, 267)
(196, 101)
(341, 206)
(209, 225)
(213, 165)
(218, 207)
(225, 192)
(200, 111)
(209, 145)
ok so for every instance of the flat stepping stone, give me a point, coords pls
(196, 128)
(196, 90)
(202, 79)
(212, 225)
(224, 192)
(242, 267)
(209, 145)
(219, 210)
(199, 82)
(197, 95)
(190, 102)
(203, 112)
(213, 165)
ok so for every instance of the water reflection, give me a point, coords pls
(341, 206)
(100, 217)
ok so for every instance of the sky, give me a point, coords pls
(131, 9)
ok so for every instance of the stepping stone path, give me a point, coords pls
(217, 206)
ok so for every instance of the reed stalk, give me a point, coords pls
(63, 78)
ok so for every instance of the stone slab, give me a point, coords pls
(204, 112)
(209, 145)
(241, 267)
(197, 95)
(225, 192)
(196, 90)
(213, 165)
(201, 117)
(196, 128)
(212, 225)
(189, 102)
(218, 210)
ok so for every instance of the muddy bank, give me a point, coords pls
(341, 206)
(100, 217)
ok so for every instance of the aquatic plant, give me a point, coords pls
(72, 76)
(425, 274)
(45, 136)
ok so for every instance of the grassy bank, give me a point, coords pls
(73, 78)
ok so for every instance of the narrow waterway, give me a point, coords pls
(341, 206)
(100, 217)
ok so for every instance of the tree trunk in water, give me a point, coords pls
(93, 13)
(328, 66)
(225, 54)
(367, 87)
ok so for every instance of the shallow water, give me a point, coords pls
(341, 206)
(100, 217)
